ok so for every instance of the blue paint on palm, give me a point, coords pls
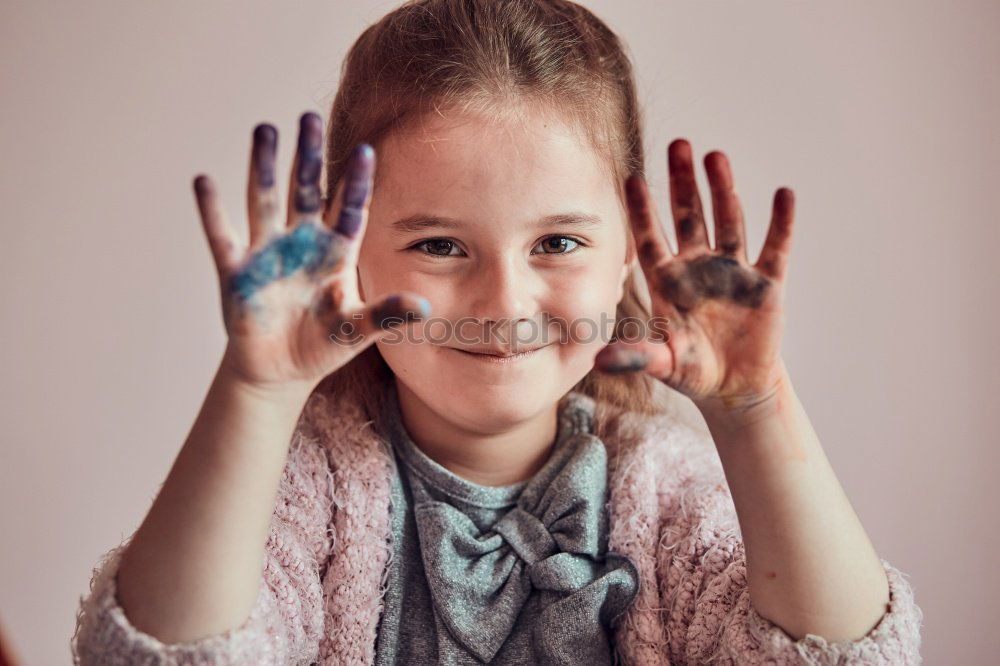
(305, 248)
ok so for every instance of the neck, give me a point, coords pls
(498, 458)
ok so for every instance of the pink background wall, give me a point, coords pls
(881, 116)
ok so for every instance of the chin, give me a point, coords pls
(490, 407)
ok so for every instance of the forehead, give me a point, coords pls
(533, 160)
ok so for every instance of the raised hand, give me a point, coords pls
(724, 315)
(290, 300)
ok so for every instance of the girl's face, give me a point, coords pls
(515, 234)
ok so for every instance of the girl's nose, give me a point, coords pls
(503, 290)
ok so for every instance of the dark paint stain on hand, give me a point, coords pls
(729, 248)
(686, 226)
(686, 284)
(649, 251)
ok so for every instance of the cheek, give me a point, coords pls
(381, 271)
(586, 302)
(409, 352)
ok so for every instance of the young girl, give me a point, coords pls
(420, 447)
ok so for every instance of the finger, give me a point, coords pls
(352, 214)
(773, 260)
(369, 322)
(730, 239)
(340, 267)
(223, 242)
(653, 358)
(262, 190)
(651, 244)
(304, 198)
(689, 219)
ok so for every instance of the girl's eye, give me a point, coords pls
(442, 247)
(439, 247)
(560, 244)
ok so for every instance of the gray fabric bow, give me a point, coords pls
(553, 541)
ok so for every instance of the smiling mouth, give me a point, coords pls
(495, 357)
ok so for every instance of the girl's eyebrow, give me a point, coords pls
(422, 222)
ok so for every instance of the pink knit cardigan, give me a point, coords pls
(325, 565)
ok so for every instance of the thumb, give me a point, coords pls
(654, 358)
(371, 321)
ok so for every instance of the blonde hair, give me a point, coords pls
(491, 56)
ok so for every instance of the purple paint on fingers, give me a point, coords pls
(357, 185)
(393, 311)
(310, 154)
(265, 140)
(617, 359)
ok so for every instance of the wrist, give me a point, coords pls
(738, 412)
(291, 392)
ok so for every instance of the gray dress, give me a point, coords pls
(515, 574)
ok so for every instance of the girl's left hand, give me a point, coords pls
(724, 316)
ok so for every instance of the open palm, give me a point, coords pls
(724, 315)
(290, 300)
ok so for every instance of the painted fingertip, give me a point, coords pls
(364, 152)
(616, 359)
(310, 137)
(265, 140)
(202, 185)
(784, 199)
(393, 312)
(357, 187)
(310, 122)
(361, 168)
(265, 133)
(678, 154)
(308, 199)
(424, 307)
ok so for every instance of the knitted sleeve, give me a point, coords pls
(701, 568)
(286, 622)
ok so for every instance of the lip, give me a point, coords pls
(496, 359)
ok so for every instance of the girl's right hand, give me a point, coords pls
(290, 300)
